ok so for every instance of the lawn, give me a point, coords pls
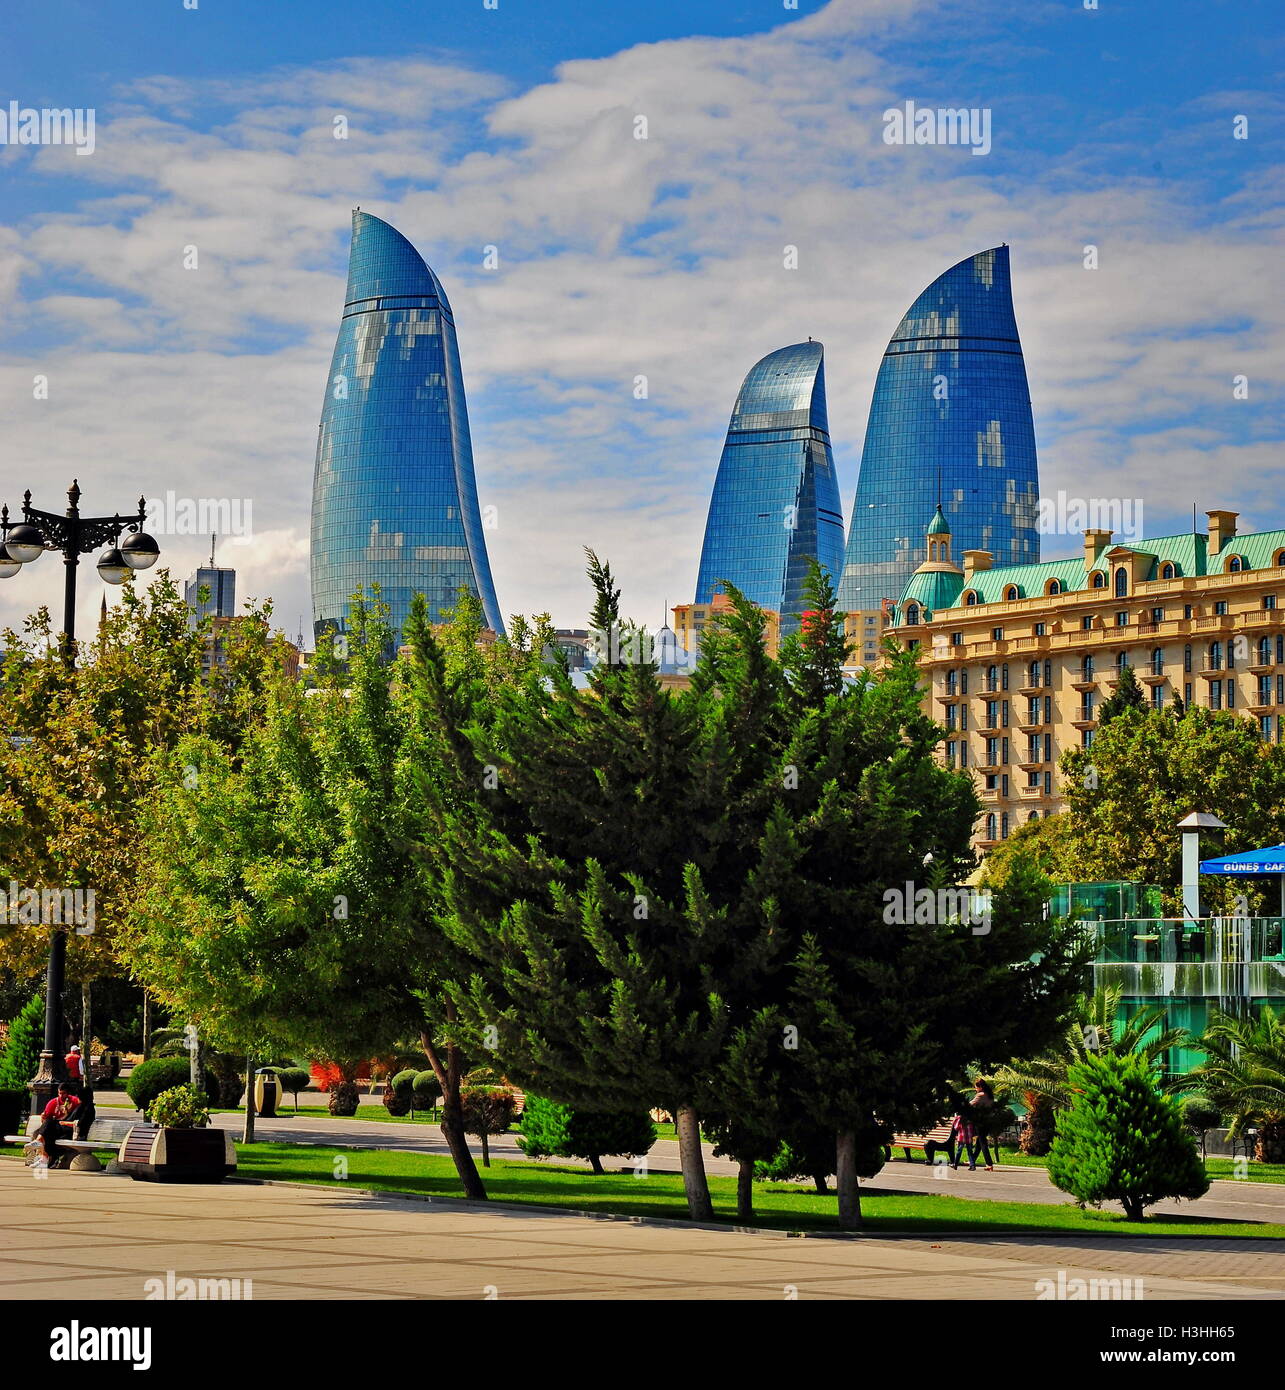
(784, 1206)
(1215, 1167)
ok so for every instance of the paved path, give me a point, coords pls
(79, 1236)
(1225, 1201)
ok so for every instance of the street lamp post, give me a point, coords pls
(22, 543)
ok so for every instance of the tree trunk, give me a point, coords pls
(87, 1109)
(1270, 1147)
(745, 1190)
(147, 1024)
(695, 1184)
(819, 1182)
(1133, 1209)
(595, 1162)
(448, 1078)
(247, 1133)
(845, 1180)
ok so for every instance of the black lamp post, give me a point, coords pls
(21, 543)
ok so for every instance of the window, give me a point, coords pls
(1035, 815)
(1003, 824)
(1280, 557)
(1157, 661)
(1265, 727)
(1215, 695)
(952, 682)
(912, 615)
(1003, 676)
(1269, 602)
(992, 678)
(992, 714)
(963, 682)
(1099, 580)
(1186, 658)
(991, 822)
(1011, 593)
(1048, 748)
(1033, 749)
(1264, 690)
(990, 782)
(1048, 784)
(1086, 738)
(1087, 622)
(1048, 673)
(1157, 615)
(1215, 656)
(1280, 690)
(997, 634)
(970, 598)
(1033, 779)
(956, 639)
(1048, 709)
(1186, 694)
(1033, 674)
(963, 753)
(1121, 661)
(1004, 714)
(992, 752)
(1122, 619)
(951, 716)
(1220, 608)
(1157, 697)
(1264, 651)
(1186, 610)
(1121, 582)
(1033, 710)
(1167, 570)
(1039, 629)
(1086, 667)
(1235, 564)
(1086, 705)
(963, 719)
(1231, 653)
(1003, 752)
(1231, 694)
(1054, 588)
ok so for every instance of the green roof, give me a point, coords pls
(932, 589)
(1186, 552)
(938, 525)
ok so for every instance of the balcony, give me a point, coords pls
(1085, 683)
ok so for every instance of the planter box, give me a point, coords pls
(150, 1153)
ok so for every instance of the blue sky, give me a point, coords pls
(513, 127)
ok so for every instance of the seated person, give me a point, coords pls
(58, 1120)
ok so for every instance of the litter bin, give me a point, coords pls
(267, 1092)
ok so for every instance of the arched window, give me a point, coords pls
(1215, 656)
(1157, 661)
(1235, 564)
(1099, 580)
(1035, 815)
(1121, 660)
(1121, 582)
(1003, 826)
(1086, 668)
(1280, 557)
(992, 678)
(970, 598)
(1054, 587)
(1033, 673)
(1011, 592)
(1167, 570)
(912, 615)
(1264, 651)
(990, 826)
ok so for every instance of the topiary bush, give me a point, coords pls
(1121, 1140)
(181, 1107)
(487, 1110)
(552, 1130)
(344, 1098)
(426, 1090)
(399, 1093)
(294, 1080)
(149, 1079)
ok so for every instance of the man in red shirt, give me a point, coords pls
(73, 1065)
(58, 1115)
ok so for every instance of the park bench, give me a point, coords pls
(105, 1132)
(930, 1141)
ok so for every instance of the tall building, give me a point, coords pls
(776, 498)
(950, 422)
(394, 500)
(1018, 658)
(221, 599)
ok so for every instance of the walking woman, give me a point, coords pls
(982, 1110)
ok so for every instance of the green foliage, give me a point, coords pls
(399, 1093)
(1125, 795)
(180, 1107)
(1243, 1075)
(21, 1057)
(293, 1080)
(426, 1090)
(345, 1099)
(1121, 1140)
(1127, 695)
(150, 1078)
(550, 1130)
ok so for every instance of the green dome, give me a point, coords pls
(939, 526)
(931, 589)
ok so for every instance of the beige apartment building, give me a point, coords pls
(690, 620)
(1018, 658)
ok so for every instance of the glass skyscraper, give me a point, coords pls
(950, 422)
(776, 498)
(394, 500)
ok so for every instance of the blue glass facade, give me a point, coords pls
(394, 500)
(950, 422)
(776, 498)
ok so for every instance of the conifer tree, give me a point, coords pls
(1127, 695)
(1121, 1140)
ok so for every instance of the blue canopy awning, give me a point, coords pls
(1255, 861)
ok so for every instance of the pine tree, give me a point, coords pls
(21, 1057)
(1121, 1140)
(1126, 696)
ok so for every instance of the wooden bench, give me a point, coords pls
(105, 1132)
(930, 1141)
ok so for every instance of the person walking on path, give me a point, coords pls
(982, 1109)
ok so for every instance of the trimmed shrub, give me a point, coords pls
(426, 1090)
(294, 1080)
(344, 1098)
(149, 1079)
(181, 1107)
(21, 1058)
(551, 1130)
(399, 1093)
(487, 1110)
(1121, 1140)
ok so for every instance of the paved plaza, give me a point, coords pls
(78, 1236)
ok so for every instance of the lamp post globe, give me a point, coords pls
(8, 567)
(24, 543)
(139, 550)
(112, 568)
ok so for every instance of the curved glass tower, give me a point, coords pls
(950, 422)
(776, 498)
(394, 500)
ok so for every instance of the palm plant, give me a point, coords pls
(1095, 1028)
(1244, 1076)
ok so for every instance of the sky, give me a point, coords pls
(1155, 377)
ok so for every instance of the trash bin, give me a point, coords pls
(267, 1092)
